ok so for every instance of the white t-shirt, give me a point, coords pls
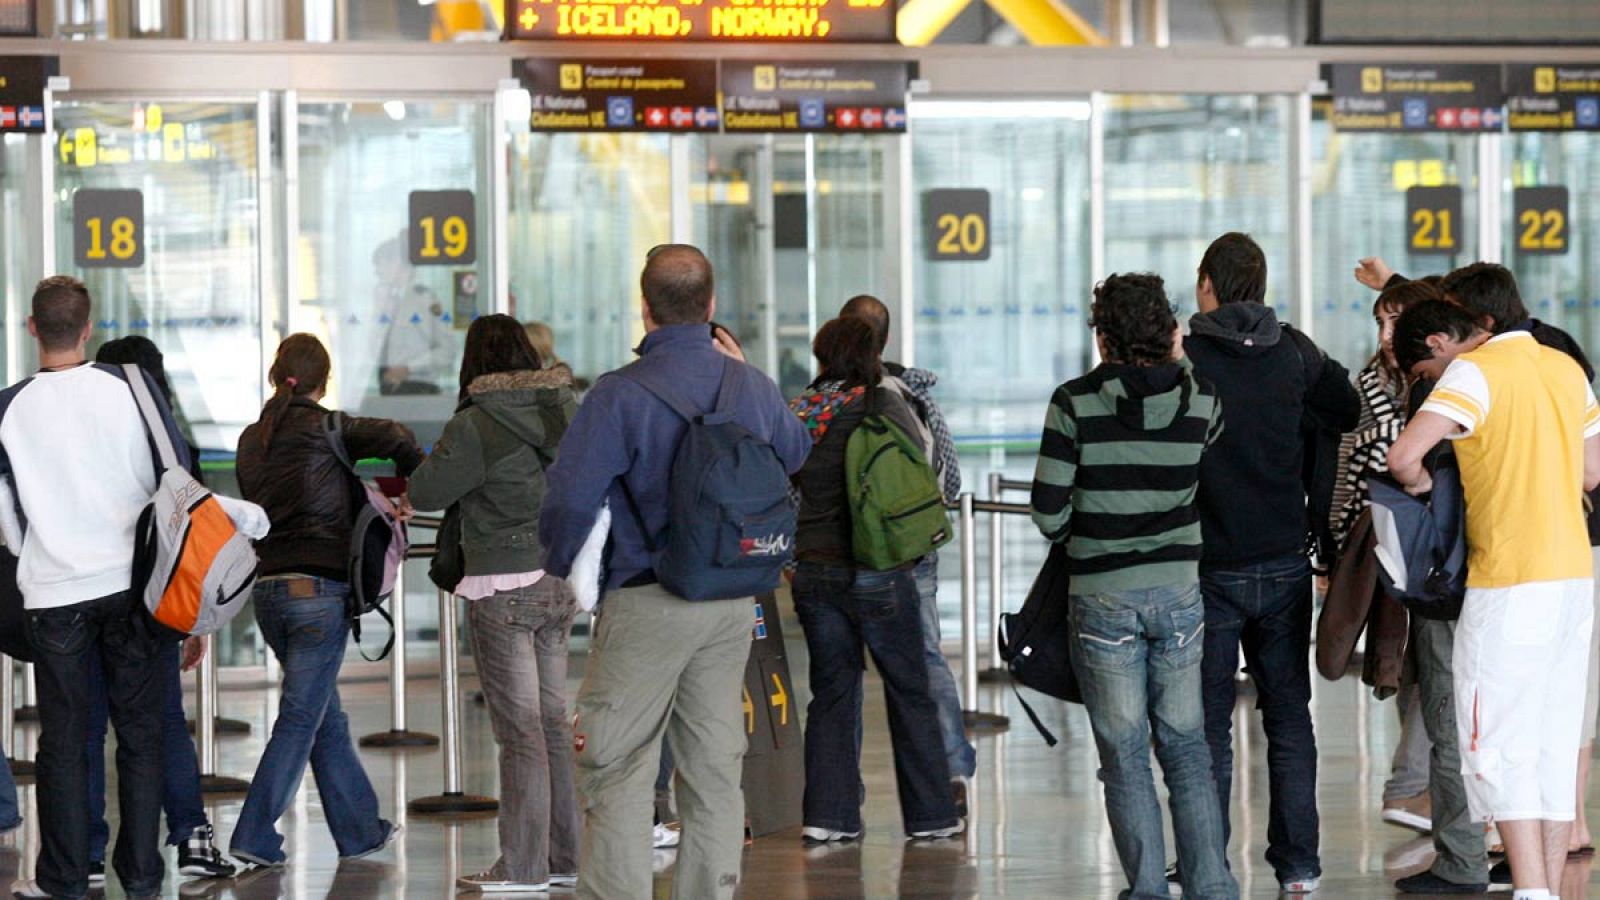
(81, 465)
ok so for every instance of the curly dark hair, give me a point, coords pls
(1134, 318)
(1427, 318)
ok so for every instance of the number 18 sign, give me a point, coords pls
(108, 229)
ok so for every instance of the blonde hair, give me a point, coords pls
(544, 343)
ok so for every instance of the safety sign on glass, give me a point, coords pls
(108, 229)
(1433, 219)
(955, 224)
(441, 229)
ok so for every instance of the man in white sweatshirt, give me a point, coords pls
(76, 470)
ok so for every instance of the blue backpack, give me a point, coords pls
(730, 520)
(1426, 537)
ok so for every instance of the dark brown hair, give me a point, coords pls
(496, 343)
(677, 284)
(1237, 269)
(871, 309)
(847, 350)
(300, 369)
(1399, 298)
(60, 311)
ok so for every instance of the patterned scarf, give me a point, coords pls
(818, 406)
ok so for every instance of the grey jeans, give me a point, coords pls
(519, 639)
(1408, 775)
(1457, 839)
(659, 665)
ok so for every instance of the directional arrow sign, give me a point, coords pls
(780, 699)
(749, 714)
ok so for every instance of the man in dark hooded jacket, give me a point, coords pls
(1275, 387)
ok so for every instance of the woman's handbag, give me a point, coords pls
(449, 565)
(1036, 642)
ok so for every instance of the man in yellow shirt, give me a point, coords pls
(1526, 431)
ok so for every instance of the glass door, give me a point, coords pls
(1557, 256)
(1358, 208)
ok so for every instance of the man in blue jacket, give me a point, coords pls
(658, 664)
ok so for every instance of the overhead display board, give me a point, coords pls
(1455, 22)
(665, 95)
(1553, 97)
(1455, 97)
(733, 21)
(22, 86)
(814, 96)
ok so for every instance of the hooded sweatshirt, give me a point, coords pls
(492, 459)
(1252, 487)
(1119, 466)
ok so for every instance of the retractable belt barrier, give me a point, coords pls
(452, 801)
(968, 509)
(20, 768)
(207, 725)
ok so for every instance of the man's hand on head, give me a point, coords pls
(726, 345)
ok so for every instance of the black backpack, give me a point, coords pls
(1036, 642)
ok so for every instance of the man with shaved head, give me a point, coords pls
(916, 385)
(659, 664)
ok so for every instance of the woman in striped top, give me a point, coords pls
(1119, 465)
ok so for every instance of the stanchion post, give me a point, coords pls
(29, 710)
(996, 670)
(20, 768)
(205, 715)
(975, 720)
(398, 736)
(452, 801)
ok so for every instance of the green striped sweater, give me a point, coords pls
(1118, 468)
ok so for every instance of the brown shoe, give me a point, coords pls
(1415, 813)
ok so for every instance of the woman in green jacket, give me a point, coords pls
(491, 460)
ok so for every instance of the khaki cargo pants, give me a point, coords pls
(659, 664)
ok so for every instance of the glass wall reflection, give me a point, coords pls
(1560, 288)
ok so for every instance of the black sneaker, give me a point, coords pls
(1500, 876)
(199, 856)
(1429, 883)
(97, 873)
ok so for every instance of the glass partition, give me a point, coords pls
(1002, 333)
(1182, 169)
(388, 284)
(1561, 288)
(585, 208)
(1358, 209)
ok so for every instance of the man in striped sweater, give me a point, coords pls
(1119, 466)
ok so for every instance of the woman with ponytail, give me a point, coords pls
(287, 466)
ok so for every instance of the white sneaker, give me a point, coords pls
(395, 831)
(665, 837)
(938, 834)
(563, 880)
(28, 890)
(1301, 886)
(813, 835)
(490, 883)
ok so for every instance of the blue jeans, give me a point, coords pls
(180, 767)
(1137, 655)
(304, 623)
(1266, 608)
(10, 811)
(963, 758)
(840, 610)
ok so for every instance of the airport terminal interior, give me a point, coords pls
(383, 173)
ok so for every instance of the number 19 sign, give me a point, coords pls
(955, 224)
(441, 228)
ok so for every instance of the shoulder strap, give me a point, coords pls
(333, 433)
(728, 392)
(670, 397)
(154, 425)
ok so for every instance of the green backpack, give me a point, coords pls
(896, 506)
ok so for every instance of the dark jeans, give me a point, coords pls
(64, 639)
(180, 767)
(1266, 608)
(1137, 655)
(840, 610)
(303, 621)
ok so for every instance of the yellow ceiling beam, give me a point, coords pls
(1046, 23)
(920, 21)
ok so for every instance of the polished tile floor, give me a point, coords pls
(1038, 827)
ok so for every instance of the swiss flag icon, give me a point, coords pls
(1447, 118)
(656, 117)
(872, 118)
(8, 117)
(846, 118)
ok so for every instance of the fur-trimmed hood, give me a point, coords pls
(523, 380)
(524, 401)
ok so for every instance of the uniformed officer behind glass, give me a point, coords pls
(418, 349)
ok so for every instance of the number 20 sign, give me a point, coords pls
(108, 229)
(955, 223)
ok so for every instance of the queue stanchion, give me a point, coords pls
(452, 801)
(975, 719)
(20, 768)
(399, 736)
(205, 715)
(222, 724)
(29, 710)
(996, 670)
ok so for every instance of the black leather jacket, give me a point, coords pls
(306, 491)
